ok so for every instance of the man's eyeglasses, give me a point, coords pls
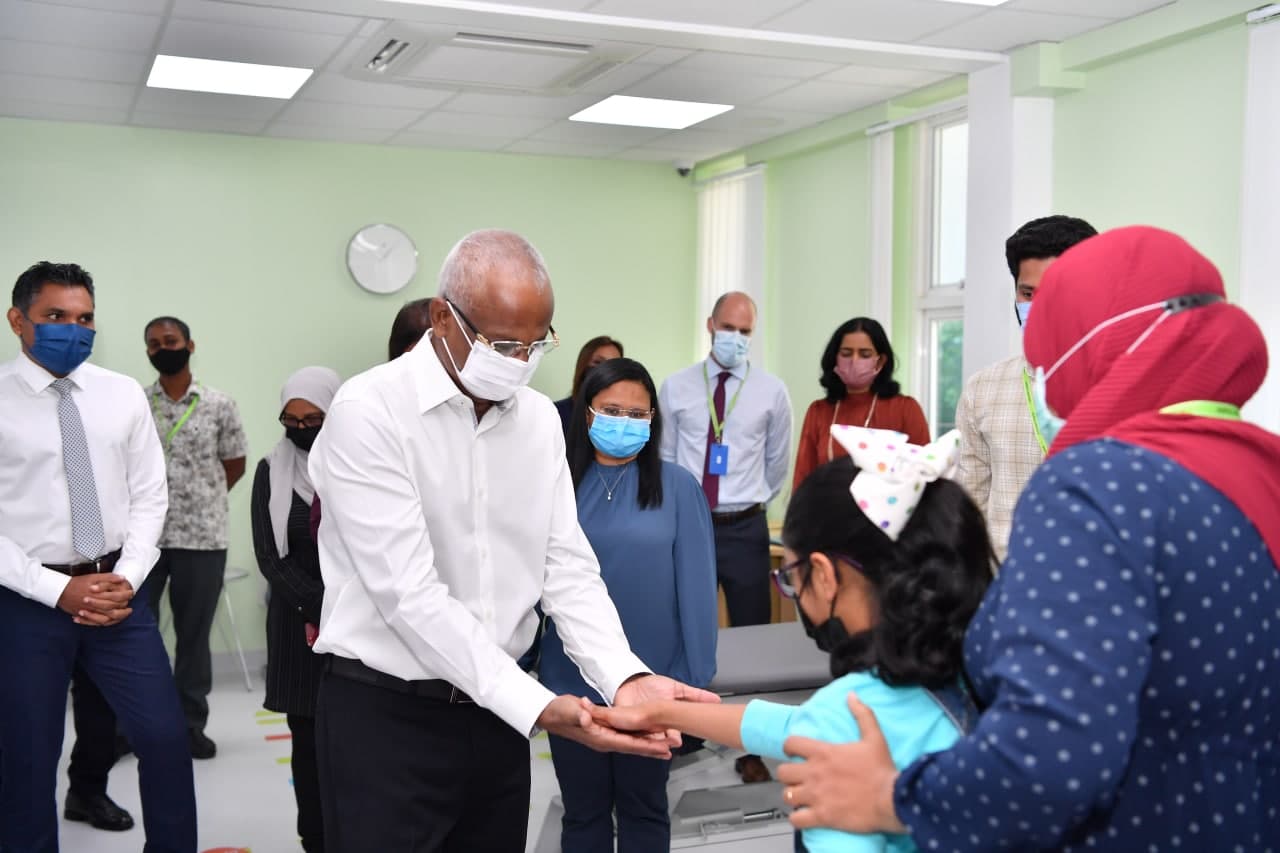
(615, 412)
(308, 422)
(789, 586)
(510, 349)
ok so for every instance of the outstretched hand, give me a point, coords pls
(571, 717)
(654, 688)
(846, 786)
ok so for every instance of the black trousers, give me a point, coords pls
(742, 569)
(411, 775)
(595, 785)
(306, 782)
(195, 583)
(94, 753)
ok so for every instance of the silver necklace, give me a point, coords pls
(609, 490)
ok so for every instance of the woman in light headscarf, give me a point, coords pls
(287, 558)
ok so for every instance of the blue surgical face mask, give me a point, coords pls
(618, 437)
(61, 347)
(730, 348)
(1050, 424)
(1023, 310)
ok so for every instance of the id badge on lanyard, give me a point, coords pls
(718, 461)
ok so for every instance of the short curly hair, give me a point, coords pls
(927, 585)
(1047, 237)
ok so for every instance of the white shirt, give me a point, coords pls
(757, 430)
(439, 535)
(35, 506)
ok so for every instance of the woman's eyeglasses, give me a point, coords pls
(789, 586)
(615, 412)
(309, 422)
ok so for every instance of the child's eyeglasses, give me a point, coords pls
(784, 577)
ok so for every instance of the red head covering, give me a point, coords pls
(1215, 352)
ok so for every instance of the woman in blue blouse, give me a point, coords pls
(648, 522)
(1129, 651)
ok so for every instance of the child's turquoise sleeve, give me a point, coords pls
(765, 725)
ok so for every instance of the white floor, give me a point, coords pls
(245, 795)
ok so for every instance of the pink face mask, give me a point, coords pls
(857, 372)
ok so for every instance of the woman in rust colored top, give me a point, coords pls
(857, 373)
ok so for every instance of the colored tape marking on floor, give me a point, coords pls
(284, 760)
(228, 850)
(265, 713)
(279, 737)
(269, 721)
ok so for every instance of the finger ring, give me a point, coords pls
(789, 795)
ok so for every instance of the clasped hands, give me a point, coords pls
(578, 719)
(97, 600)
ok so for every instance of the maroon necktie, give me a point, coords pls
(711, 482)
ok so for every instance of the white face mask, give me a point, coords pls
(489, 376)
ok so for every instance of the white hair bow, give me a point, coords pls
(893, 472)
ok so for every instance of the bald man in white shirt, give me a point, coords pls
(448, 513)
(82, 502)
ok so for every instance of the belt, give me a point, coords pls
(100, 566)
(436, 689)
(731, 517)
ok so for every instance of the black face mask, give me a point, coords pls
(829, 635)
(170, 361)
(302, 437)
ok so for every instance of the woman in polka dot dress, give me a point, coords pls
(1128, 654)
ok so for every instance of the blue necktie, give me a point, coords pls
(86, 514)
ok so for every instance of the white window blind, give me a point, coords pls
(730, 248)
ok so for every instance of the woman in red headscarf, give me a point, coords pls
(1128, 655)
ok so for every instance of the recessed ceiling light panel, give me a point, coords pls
(649, 112)
(226, 78)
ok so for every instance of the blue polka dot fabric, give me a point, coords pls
(1129, 656)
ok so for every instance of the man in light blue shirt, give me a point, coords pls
(729, 423)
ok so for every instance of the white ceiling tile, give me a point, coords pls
(563, 5)
(206, 40)
(371, 26)
(866, 75)
(619, 78)
(533, 106)
(738, 13)
(1001, 29)
(352, 115)
(62, 112)
(661, 155)
(876, 20)
(1115, 9)
(466, 124)
(767, 66)
(61, 91)
(685, 144)
(49, 24)
(264, 16)
(139, 7)
(448, 141)
(663, 56)
(328, 134)
(204, 124)
(22, 57)
(174, 102)
(817, 96)
(705, 86)
(562, 149)
(754, 121)
(335, 88)
(599, 134)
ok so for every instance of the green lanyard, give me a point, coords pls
(1031, 407)
(1204, 409)
(168, 439)
(717, 425)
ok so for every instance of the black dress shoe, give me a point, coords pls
(98, 811)
(201, 745)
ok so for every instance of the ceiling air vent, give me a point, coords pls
(418, 55)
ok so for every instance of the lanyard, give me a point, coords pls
(717, 425)
(1031, 407)
(168, 439)
(831, 452)
(1204, 409)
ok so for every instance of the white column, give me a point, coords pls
(1260, 222)
(1010, 182)
(880, 274)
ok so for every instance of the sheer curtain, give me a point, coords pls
(730, 248)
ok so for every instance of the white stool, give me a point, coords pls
(232, 575)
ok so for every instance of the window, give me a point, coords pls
(944, 190)
(730, 246)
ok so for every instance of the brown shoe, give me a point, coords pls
(752, 769)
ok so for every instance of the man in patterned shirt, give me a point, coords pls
(205, 450)
(1001, 444)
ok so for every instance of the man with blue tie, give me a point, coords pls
(82, 502)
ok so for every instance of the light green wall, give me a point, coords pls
(1157, 139)
(244, 238)
(818, 231)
